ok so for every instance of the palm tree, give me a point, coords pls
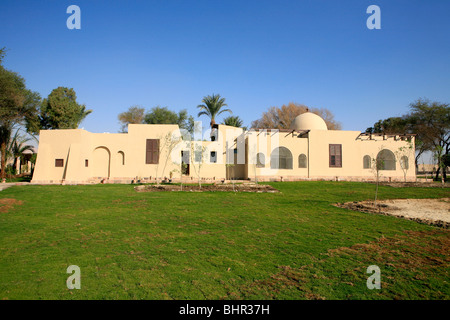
(82, 114)
(212, 107)
(17, 147)
(233, 121)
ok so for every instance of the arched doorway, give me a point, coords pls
(102, 160)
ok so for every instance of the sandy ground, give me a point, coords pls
(429, 211)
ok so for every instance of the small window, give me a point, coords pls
(198, 156)
(59, 162)
(302, 163)
(367, 162)
(404, 163)
(260, 160)
(335, 155)
(213, 158)
(86, 163)
(152, 151)
(121, 158)
(215, 133)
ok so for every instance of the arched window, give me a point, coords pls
(302, 163)
(260, 160)
(281, 158)
(386, 160)
(121, 158)
(367, 162)
(404, 162)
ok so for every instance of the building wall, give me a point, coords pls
(114, 156)
(353, 151)
(91, 157)
(265, 143)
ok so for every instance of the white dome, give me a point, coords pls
(308, 121)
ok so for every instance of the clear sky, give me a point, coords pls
(256, 54)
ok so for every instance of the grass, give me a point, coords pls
(19, 179)
(223, 245)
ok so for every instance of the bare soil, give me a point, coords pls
(6, 204)
(414, 184)
(246, 187)
(430, 211)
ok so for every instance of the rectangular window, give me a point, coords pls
(59, 162)
(152, 151)
(213, 158)
(336, 155)
(198, 156)
(86, 163)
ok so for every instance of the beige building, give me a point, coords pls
(307, 151)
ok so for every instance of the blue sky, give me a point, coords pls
(256, 54)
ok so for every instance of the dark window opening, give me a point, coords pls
(59, 162)
(152, 151)
(404, 163)
(86, 163)
(213, 158)
(367, 162)
(215, 132)
(336, 155)
(302, 161)
(260, 160)
(185, 162)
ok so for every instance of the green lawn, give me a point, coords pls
(223, 245)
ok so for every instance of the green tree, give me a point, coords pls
(429, 121)
(60, 111)
(134, 114)
(2, 54)
(393, 125)
(212, 107)
(162, 115)
(439, 156)
(446, 160)
(233, 121)
(17, 105)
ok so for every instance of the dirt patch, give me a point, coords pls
(430, 211)
(6, 204)
(414, 184)
(246, 187)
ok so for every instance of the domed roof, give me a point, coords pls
(308, 121)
